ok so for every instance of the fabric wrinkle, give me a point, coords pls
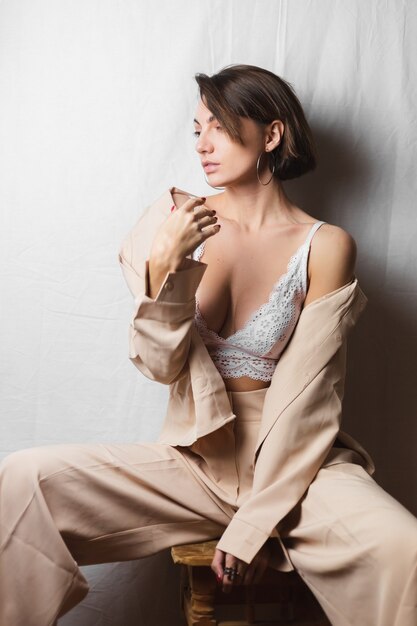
(230, 477)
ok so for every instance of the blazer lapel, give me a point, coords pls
(320, 331)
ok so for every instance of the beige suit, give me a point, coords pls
(312, 489)
(166, 347)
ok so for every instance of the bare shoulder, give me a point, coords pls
(332, 261)
(332, 242)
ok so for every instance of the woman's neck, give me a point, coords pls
(254, 208)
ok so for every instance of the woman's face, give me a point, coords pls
(233, 162)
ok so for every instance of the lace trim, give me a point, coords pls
(249, 352)
(275, 289)
(254, 349)
(231, 364)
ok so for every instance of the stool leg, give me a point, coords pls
(199, 602)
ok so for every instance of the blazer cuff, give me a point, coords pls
(242, 540)
(179, 286)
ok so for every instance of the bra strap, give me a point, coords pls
(199, 250)
(313, 229)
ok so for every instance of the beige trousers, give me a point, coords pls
(62, 506)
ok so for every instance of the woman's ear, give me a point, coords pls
(273, 134)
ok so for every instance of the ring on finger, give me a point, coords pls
(231, 573)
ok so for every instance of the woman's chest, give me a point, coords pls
(237, 283)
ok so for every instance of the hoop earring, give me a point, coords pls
(220, 188)
(257, 171)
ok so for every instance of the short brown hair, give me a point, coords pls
(256, 93)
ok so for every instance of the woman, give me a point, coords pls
(243, 303)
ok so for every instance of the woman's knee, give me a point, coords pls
(28, 464)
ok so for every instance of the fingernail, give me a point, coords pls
(219, 579)
(173, 208)
(203, 199)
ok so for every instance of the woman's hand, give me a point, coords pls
(224, 565)
(183, 230)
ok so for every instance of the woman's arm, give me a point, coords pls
(163, 279)
(160, 328)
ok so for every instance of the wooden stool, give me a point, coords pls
(284, 594)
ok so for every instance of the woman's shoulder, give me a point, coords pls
(332, 260)
(331, 240)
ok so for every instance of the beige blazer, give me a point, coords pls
(303, 406)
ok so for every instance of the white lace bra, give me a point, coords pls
(254, 350)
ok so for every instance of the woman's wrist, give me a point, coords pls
(158, 271)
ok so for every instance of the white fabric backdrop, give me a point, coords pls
(96, 108)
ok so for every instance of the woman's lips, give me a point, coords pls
(210, 167)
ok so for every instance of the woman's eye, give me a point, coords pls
(196, 133)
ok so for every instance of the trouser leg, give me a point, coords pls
(356, 548)
(68, 505)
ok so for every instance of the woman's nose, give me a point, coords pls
(203, 144)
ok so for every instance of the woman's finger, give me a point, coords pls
(190, 204)
(229, 578)
(207, 220)
(202, 210)
(217, 563)
(234, 572)
(241, 572)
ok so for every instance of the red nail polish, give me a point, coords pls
(173, 208)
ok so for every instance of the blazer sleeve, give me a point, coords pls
(160, 328)
(289, 459)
